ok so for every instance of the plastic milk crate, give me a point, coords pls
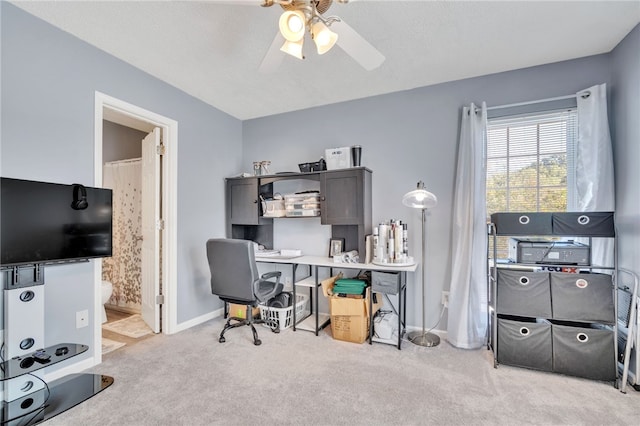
(283, 316)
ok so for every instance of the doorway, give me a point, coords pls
(157, 233)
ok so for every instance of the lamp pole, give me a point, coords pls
(424, 338)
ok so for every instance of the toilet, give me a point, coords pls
(107, 289)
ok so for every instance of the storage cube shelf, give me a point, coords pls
(562, 322)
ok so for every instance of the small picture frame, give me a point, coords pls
(336, 246)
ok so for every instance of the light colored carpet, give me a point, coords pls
(296, 378)
(109, 345)
(133, 326)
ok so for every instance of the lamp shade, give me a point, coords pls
(293, 48)
(420, 198)
(323, 37)
(292, 25)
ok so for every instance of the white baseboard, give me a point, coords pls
(198, 320)
(78, 367)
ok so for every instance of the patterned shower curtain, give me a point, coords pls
(124, 268)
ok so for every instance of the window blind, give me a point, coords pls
(530, 162)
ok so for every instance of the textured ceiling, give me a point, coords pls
(213, 49)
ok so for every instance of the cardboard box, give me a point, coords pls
(240, 311)
(349, 316)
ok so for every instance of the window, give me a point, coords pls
(530, 164)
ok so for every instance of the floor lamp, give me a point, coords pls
(422, 199)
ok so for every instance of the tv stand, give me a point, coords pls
(26, 397)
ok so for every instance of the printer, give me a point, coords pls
(541, 251)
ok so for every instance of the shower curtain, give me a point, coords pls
(124, 268)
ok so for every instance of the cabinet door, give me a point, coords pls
(342, 201)
(242, 201)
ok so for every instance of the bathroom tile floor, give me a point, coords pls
(113, 315)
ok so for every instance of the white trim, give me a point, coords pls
(75, 368)
(169, 208)
(199, 320)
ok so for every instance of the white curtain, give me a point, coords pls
(467, 320)
(124, 268)
(594, 164)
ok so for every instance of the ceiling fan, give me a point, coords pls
(302, 16)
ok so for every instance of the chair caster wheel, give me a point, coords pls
(276, 330)
(257, 342)
(222, 340)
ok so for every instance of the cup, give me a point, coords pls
(356, 155)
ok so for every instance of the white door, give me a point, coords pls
(151, 229)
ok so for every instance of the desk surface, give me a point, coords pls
(329, 263)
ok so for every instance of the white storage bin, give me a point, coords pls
(305, 204)
(283, 316)
(273, 207)
(338, 158)
(303, 213)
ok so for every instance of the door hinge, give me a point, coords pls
(160, 149)
(159, 299)
(160, 224)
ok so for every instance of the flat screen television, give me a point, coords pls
(43, 222)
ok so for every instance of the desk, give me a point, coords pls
(325, 262)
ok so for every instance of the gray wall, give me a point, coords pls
(120, 142)
(406, 137)
(625, 110)
(48, 83)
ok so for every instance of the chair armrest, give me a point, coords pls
(274, 286)
(272, 274)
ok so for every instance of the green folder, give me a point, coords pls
(349, 286)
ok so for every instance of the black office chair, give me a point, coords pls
(235, 279)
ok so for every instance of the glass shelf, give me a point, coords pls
(61, 395)
(25, 364)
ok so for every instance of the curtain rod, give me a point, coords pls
(584, 95)
(539, 101)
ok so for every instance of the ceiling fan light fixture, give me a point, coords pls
(323, 37)
(293, 48)
(292, 25)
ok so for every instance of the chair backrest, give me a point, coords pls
(233, 269)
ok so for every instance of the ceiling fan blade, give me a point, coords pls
(356, 46)
(273, 58)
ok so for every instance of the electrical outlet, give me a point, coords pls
(445, 299)
(82, 318)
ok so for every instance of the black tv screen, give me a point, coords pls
(44, 222)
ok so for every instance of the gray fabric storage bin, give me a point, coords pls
(584, 224)
(582, 297)
(522, 223)
(523, 293)
(385, 282)
(583, 351)
(525, 343)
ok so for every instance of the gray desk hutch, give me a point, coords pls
(345, 204)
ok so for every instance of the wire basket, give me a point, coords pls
(283, 316)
